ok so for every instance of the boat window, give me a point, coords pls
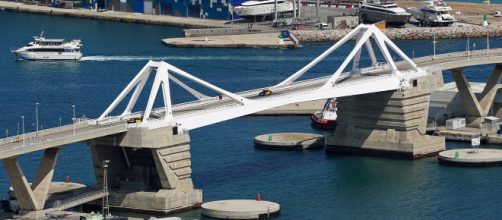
(54, 50)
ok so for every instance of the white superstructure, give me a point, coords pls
(262, 8)
(373, 11)
(49, 49)
(434, 13)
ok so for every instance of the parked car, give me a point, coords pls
(497, 14)
(265, 92)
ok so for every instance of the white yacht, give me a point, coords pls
(374, 11)
(434, 13)
(262, 8)
(49, 49)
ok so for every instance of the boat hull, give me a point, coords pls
(322, 123)
(392, 20)
(24, 55)
(263, 10)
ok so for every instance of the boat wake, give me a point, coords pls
(170, 58)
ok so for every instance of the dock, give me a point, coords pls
(261, 40)
(187, 22)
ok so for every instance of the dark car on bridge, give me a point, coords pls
(265, 92)
(134, 120)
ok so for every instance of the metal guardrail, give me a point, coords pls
(78, 200)
(41, 140)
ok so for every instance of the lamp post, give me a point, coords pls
(74, 119)
(434, 42)
(106, 206)
(275, 10)
(22, 121)
(36, 116)
(488, 40)
(467, 47)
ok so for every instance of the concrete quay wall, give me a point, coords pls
(113, 15)
(413, 33)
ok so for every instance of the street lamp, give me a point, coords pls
(434, 43)
(22, 119)
(106, 205)
(74, 119)
(467, 47)
(488, 40)
(36, 115)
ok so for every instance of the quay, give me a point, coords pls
(383, 111)
(407, 33)
(261, 40)
(186, 22)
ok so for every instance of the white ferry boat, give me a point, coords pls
(49, 49)
(262, 8)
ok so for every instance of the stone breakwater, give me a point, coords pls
(414, 33)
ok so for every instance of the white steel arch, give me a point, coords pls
(239, 105)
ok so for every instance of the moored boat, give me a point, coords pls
(374, 11)
(256, 9)
(325, 119)
(434, 13)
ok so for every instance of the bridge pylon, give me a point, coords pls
(165, 73)
(364, 35)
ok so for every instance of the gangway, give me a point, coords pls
(76, 200)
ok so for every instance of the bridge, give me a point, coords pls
(395, 95)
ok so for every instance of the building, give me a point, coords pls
(212, 9)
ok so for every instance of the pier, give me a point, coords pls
(262, 40)
(151, 152)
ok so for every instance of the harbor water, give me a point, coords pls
(225, 164)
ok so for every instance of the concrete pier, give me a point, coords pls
(387, 123)
(149, 170)
(264, 40)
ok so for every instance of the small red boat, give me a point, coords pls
(325, 119)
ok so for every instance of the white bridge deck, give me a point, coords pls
(204, 109)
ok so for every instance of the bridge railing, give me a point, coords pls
(42, 139)
(79, 199)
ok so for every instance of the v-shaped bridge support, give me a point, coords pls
(477, 108)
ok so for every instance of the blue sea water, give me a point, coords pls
(225, 164)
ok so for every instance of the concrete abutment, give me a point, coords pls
(149, 170)
(391, 123)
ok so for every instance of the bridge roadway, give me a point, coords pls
(90, 129)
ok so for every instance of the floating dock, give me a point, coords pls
(471, 157)
(289, 141)
(262, 40)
